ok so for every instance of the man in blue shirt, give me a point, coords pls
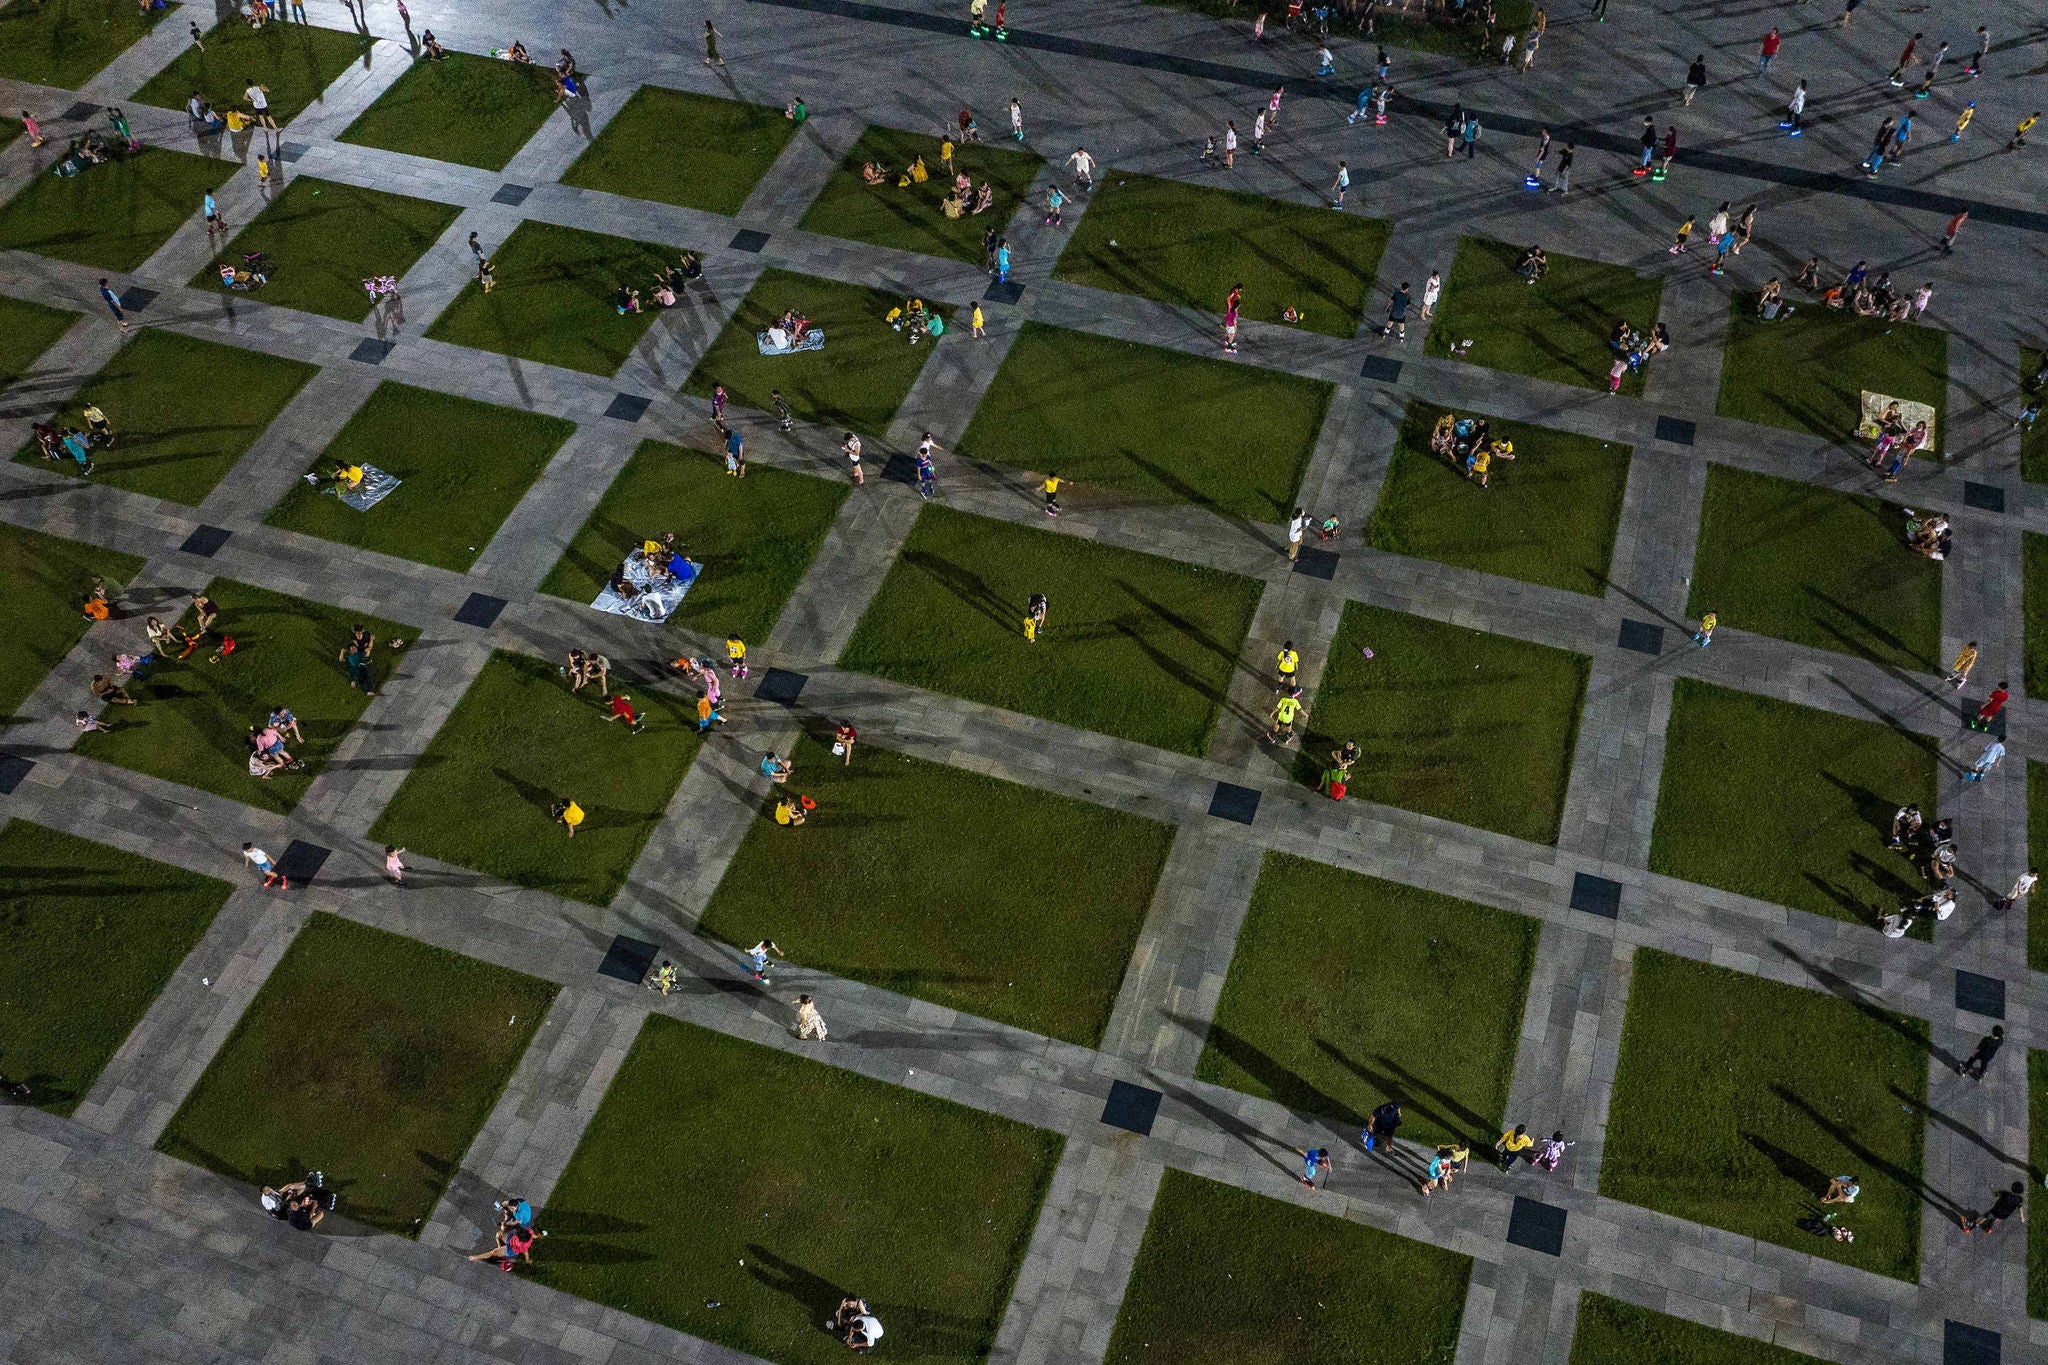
(735, 454)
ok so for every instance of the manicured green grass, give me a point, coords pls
(858, 380)
(1546, 518)
(1744, 773)
(1188, 244)
(2037, 1140)
(465, 465)
(476, 111)
(191, 720)
(183, 410)
(1449, 722)
(696, 151)
(369, 1056)
(2034, 611)
(43, 583)
(909, 218)
(519, 741)
(297, 63)
(114, 216)
(786, 1183)
(553, 299)
(1723, 1119)
(26, 331)
(1815, 566)
(755, 536)
(178, 427)
(1340, 989)
(1015, 916)
(65, 42)
(2037, 853)
(325, 238)
(1611, 1332)
(1807, 372)
(2034, 438)
(1150, 423)
(1135, 646)
(1228, 1277)
(88, 937)
(1556, 329)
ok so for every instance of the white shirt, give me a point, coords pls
(1259, 126)
(870, 1326)
(2025, 884)
(1016, 114)
(1717, 225)
(1297, 528)
(1230, 139)
(1083, 163)
(1799, 99)
(1431, 291)
(852, 449)
(1343, 177)
(256, 856)
(257, 99)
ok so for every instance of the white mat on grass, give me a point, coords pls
(659, 596)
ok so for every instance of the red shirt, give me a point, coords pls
(1771, 41)
(1995, 703)
(621, 706)
(846, 734)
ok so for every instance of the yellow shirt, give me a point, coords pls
(235, 121)
(1286, 709)
(977, 315)
(650, 548)
(572, 815)
(1480, 460)
(1708, 622)
(1510, 1143)
(946, 151)
(735, 650)
(1289, 660)
(354, 473)
(1052, 484)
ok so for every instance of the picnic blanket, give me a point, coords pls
(656, 599)
(377, 486)
(813, 340)
(1875, 403)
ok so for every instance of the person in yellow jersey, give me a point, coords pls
(568, 815)
(1959, 671)
(1705, 635)
(1052, 494)
(1288, 659)
(975, 323)
(1478, 462)
(1512, 1144)
(736, 655)
(1285, 712)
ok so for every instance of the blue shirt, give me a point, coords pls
(732, 443)
(113, 299)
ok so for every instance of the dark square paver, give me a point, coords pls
(628, 959)
(1962, 1344)
(1537, 1226)
(138, 297)
(1984, 497)
(1384, 369)
(1983, 995)
(1133, 1107)
(371, 351)
(480, 610)
(79, 112)
(781, 685)
(1643, 637)
(1232, 802)
(289, 152)
(13, 770)
(1676, 430)
(1004, 291)
(748, 239)
(1316, 563)
(514, 195)
(206, 541)
(1596, 895)
(628, 407)
(301, 862)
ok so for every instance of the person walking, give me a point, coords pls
(1397, 314)
(2019, 134)
(2009, 1201)
(1649, 143)
(1084, 169)
(1963, 117)
(757, 958)
(1432, 290)
(272, 878)
(1986, 761)
(1704, 636)
(394, 864)
(1259, 133)
(1767, 50)
(1315, 1161)
(1695, 77)
(1795, 112)
(1340, 185)
(1286, 662)
(1471, 134)
(711, 57)
(1993, 704)
(1959, 671)
(1230, 323)
(809, 1023)
(2022, 887)
(1514, 1143)
(1949, 233)
(1297, 527)
(1016, 120)
(1979, 1059)
(113, 302)
(1380, 1127)
(1668, 153)
(1976, 66)
(1230, 144)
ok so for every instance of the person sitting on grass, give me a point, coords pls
(776, 768)
(514, 1244)
(627, 300)
(1533, 264)
(664, 297)
(985, 197)
(241, 278)
(916, 173)
(791, 809)
(1292, 314)
(432, 46)
(1906, 825)
(954, 205)
(263, 765)
(856, 1324)
(873, 174)
(296, 1203)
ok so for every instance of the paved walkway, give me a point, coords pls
(111, 1252)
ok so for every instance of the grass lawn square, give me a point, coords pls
(43, 582)
(909, 218)
(88, 936)
(324, 238)
(2037, 853)
(2037, 1228)
(1807, 372)
(465, 466)
(112, 217)
(1338, 994)
(1744, 773)
(1818, 567)
(191, 720)
(1243, 1297)
(295, 62)
(26, 331)
(857, 381)
(553, 299)
(2034, 440)
(1188, 244)
(519, 741)
(1611, 1332)
(369, 1056)
(2034, 596)
(1135, 646)
(65, 42)
(1737, 1098)
(1016, 916)
(1150, 423)
(475, 111)
(1556, 329)
(786, 1183)
(1449, 722)
(1547, 518)
(183, 410)
(755, 536)
(674, 147)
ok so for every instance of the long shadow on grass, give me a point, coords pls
(1262, 1144)
(1860, 649)
(932, 1334)
(970, 587)
(1793, 1167)
(1848, 990)
(1285, 1086)
(1188, 493)
(1407, 1089)
(1926, 743)
(1892, 1170)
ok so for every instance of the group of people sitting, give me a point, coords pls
(958, 204)
(206, 120)
(856, 1324)
(1467, 443)
(1934, 846)
(916, 173)
(1929, 535)
(90, 150)
(1896, 443)
(302, 1203)
(68, 442)
(514, 1238)
(1635, 348)
(669, 284)
(787, 331)
(568, 84)
(253, 272)
(1864, 295)
(914, 318)
(267, 754)
(1533, 264)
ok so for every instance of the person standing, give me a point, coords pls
(1976, 66)
(272, 878)
(1986, 761)
(1649, 144)
(1230, 323)
(1003, 260)
(757, 958)
(1959, 671)
(711, 57)
(1340, 185)
(113, 302)
(2022, 887)
(2019, 134)
(1898, 76)
(1669, 153)
(1286, 663)
(1297, 527)
(1259, 133)
(735, 453)
(1987, 1048)
(1695, 77)
(1949, 233)
(1795, 109)
(1381, 1126)
(1767, 50)
(851, 449)
(977, 325)
(1016, 120)
(1273, 109)
(1564, 170)
(1230, 145)
(394, 864)
(1432, 290)
(1704, 636)
(259, 104)
(1397, 314)
(809, 1023)
(1471, 134)
(1963, 117)
(1084, 168)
